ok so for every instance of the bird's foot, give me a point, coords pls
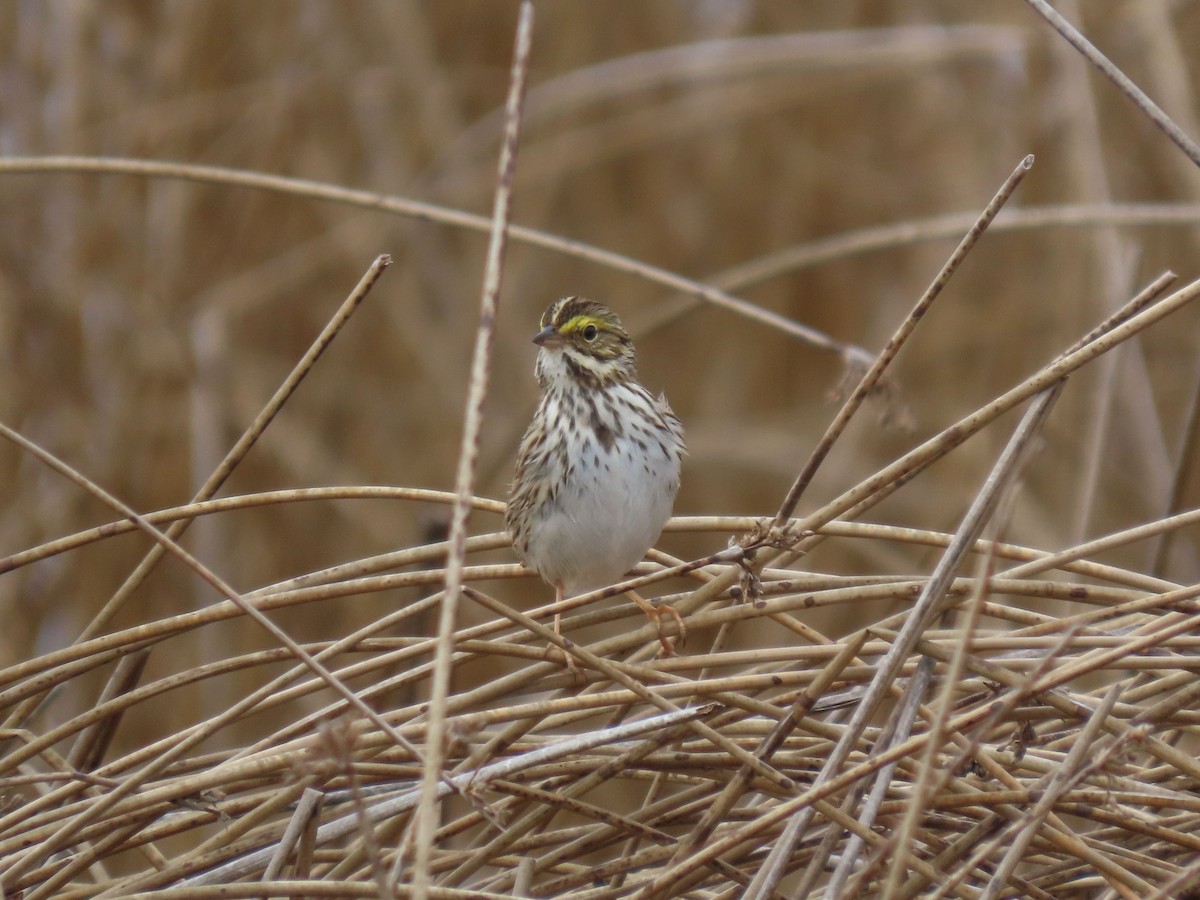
(566, 659)
(668, 641)
(656, 613)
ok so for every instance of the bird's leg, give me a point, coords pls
(559, 596)
(559, 590)
(656, 613)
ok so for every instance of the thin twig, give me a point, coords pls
(429, 212)
(923, 612)
(886, 481)
(249, 437)
(64, 836)
(408, 801)
(871, 378)
(307, 810)
(937, 728)
(1054, 786)
(426, 814)
(1124, 84)
(231, 460)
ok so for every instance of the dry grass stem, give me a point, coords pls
(870, 379)
(1123, 82)
(481, 361)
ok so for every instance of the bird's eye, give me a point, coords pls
(589, 333)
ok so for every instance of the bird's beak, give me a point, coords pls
(548, 337)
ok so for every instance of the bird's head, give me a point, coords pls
(583, 340)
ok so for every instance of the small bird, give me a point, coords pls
(598, 468)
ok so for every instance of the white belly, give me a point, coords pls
(610, 511)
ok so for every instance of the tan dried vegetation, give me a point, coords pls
(958, 660)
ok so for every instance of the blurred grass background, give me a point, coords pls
(144, 322)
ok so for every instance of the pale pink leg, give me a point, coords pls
(656, 613)
(559, 596)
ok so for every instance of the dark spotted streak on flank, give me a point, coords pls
(602, 378)
(541, 452)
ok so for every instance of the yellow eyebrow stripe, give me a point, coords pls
(578, 323)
